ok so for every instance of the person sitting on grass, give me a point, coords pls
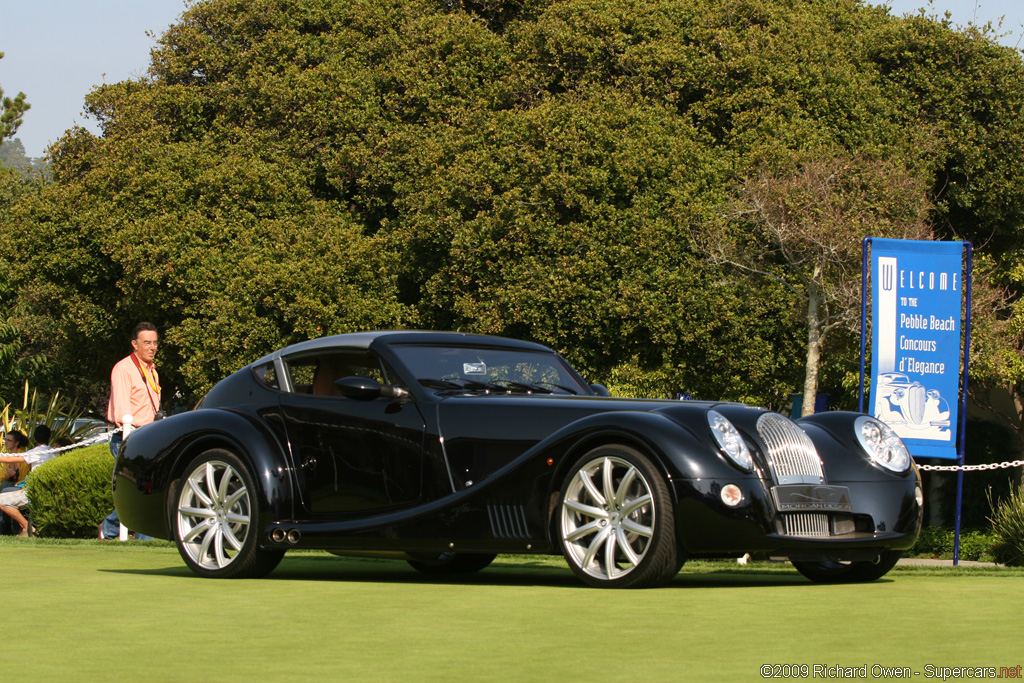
(14, 442)
(11, 477)
(13, 502)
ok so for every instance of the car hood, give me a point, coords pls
(534, 417)
(482, 433)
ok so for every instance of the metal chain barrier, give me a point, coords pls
(99, 438)
(971, 468)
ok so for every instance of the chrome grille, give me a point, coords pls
(508, 521)
(806, 525)
(791, 455)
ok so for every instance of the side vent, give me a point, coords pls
(508, 521)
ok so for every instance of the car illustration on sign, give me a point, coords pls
(445, 449)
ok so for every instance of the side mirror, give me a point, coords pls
(366, 389)
(600, 390)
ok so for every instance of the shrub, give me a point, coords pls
(1008, 525)
(71, 494)
(59, 414)
(937, 541)
(976, 545)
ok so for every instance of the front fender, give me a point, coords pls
(676, 448)
(154, 456)
(834, 436)
(685, 457)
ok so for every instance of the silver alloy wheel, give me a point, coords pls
(214, 513)
(608, 518)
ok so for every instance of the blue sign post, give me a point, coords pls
(919, 334)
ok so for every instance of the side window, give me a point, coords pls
(316, 373)
(301, 371)
(391, 377)
(267, 374)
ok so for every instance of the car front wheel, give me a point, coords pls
(213, 519)
(849, 572)
(616, 524)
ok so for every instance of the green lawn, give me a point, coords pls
(86, 610)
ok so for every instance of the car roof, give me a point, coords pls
(364, 340)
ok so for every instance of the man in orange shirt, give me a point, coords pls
(135, 391)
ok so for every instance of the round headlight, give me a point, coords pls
(881, 444)
(730, 440)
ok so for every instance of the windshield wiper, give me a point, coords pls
(505, 386)
(452, 384)
(509, 386)
(545, 385)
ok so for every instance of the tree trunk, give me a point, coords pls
(814, 326)
(1018, 430)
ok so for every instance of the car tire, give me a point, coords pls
(453, 563)
(213, 519)
(616, 522)
(849, 572)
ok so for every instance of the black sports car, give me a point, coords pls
(444, 449)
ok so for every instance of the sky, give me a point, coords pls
(56, 51)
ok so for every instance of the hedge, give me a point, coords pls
(70, 495)
(936, 541)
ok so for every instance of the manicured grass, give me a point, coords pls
(86, 610)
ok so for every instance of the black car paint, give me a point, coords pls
(492, 466)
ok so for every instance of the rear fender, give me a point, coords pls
(147, 466)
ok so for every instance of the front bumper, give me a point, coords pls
(878, 516)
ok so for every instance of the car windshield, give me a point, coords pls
(447, 368)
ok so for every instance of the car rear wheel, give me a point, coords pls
(453, 563)
(849, 572)
(213, 519)
(616, 523)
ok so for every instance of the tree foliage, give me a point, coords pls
(12, 155)
(804, 226)
(541, 169)
(12, 112)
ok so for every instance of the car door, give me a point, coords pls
(350, 456)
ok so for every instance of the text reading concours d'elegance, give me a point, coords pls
(930, 671)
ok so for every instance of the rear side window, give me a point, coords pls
(267, 374)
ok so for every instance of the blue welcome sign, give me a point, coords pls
(918, 290)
